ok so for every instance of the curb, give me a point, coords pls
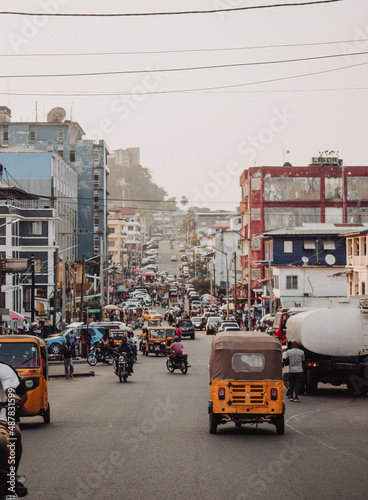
(75, 375)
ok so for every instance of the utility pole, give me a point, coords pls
(82, 287)
(56, 269)
(74, 290)
(102, 301)
(63, 296)
(236, 292)
(32, 288)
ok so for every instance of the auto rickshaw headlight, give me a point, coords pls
(273, 393)
(221, 393)
(29, 384)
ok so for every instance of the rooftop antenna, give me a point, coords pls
(71, 111)
(36, 113)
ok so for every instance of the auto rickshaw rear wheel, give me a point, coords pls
(213, 422)
(280, 424)
(46, 415)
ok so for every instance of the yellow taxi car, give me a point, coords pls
(149, 314)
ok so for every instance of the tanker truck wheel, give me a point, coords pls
(312, 383)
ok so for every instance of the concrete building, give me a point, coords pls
(27, 228)
(284, 197)
(88, 159)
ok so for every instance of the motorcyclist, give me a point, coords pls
(133, 341)
(127, 348)
(177, 349)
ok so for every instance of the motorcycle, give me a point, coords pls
(122, 367)
(181, 364)
(96, 354)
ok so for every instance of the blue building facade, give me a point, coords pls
(87, 158)
(309, 244)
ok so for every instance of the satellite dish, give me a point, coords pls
(56, 115)
(330, 259)
(305, 260)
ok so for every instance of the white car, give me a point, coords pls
(174, 258)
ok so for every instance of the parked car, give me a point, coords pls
(55, 342)
(187, 328)
(174, 258)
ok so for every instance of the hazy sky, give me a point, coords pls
(197, 141)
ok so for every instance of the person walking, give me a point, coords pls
(295, 357)
(69, 353)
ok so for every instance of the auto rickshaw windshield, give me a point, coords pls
(157, 334)
(20, 354)
(245, 356)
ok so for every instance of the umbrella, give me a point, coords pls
(15, 315)
(137, 270)
(148, 274)
(110, 307)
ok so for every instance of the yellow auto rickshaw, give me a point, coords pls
(155, 341)
(246, 380)
(116, 337)
(170, 334)
(28, 356)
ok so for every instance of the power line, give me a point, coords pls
(179, 51)
(193, 68)
(192, 90)
(173, 13)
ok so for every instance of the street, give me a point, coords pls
(148, 439)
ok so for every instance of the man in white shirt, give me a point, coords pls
(296, 359)
(14, 395)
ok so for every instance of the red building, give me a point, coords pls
(281, 197)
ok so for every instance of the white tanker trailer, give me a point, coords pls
(334, 337)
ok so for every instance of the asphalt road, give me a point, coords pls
(148, 439)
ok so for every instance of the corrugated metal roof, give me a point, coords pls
(307, 229)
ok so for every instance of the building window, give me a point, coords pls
(112, 230)
(5, 133)
(256, 214)
(96, 220)
(363, 288)
(32, 134)
(255, 183)
(61, 135)
(95, 156)
(288, 247)
(291, 282)
(72, 155)
(35, 228)
(111, 243)
(364, 246)
(276, 281)
(309, 244)
(328, 245)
